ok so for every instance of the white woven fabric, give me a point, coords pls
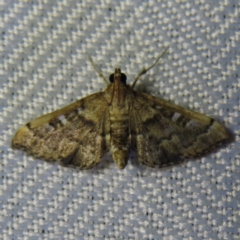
(44, 66)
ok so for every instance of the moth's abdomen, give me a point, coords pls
(119, 137)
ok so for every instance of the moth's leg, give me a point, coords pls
(99, 73)
(146, 69)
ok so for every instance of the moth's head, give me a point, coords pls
(118, 75)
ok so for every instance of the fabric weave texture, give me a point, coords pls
(44, 66)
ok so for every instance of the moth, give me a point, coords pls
(119, 119)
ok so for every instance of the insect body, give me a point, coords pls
(117, 120)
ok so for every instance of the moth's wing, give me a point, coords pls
(165, 134)
(73, 135)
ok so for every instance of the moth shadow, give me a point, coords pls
(145, 87)
(133, 159)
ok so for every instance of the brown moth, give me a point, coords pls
(118, 119)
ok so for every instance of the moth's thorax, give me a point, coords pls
(117, 94)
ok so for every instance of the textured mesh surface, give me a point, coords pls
(44, 66)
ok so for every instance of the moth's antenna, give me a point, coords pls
(145, 70)
(99, 73)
